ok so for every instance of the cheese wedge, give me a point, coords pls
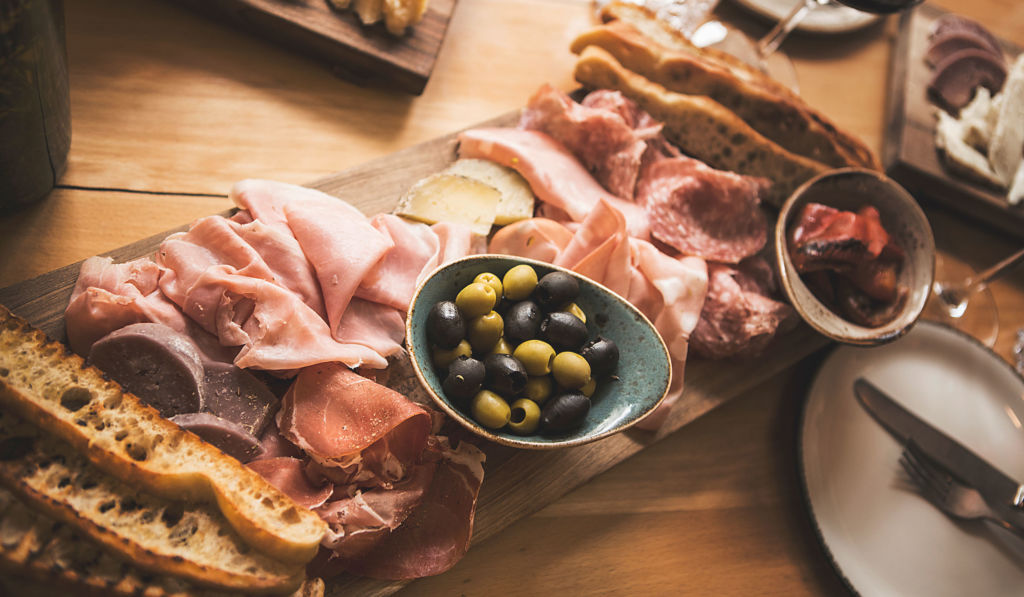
(447, 197)
(517, 199)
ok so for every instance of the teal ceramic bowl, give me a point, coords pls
(643, 374)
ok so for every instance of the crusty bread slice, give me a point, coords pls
(646, 22)
(784, 121)
(46, 384)
(39, 556)
(701, 127)
(189, 540)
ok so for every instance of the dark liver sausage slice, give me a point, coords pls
(231, 438)
(159, 365)
(235, 394)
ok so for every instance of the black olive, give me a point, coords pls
(563, 330)
(445, 326)
(522, 321)
(505, 375)
(556, 290)
(564, 412)
(465, 377)
(603, 356)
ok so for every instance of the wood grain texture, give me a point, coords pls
(367, 55)
(170, 108)
(910, 154)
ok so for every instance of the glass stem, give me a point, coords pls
(979, 280)
(767, 45)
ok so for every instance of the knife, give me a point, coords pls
(1003, 494)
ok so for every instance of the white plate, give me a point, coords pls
(831, 18)
(882, 537)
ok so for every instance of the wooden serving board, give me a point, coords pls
(363, 54)
(517, 483)
(909, 151)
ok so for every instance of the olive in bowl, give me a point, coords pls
(544, 413)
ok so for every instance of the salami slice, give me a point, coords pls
(704, 212)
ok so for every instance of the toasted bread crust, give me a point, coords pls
(701, 127)
(44, 383)
(192, 541)
(735, 78)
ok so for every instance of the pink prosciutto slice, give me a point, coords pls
(288, 475)
(436, 534)
(109, 296)
(345, 421)
(703, 212)
(554, 175)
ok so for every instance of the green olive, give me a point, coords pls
(491, 280)
(502, 347)
(485, 331)
(475, 300)
(536, 356)
(570, 370)
(444, 357)
(519, 282)
(539, 389)
(525, 417)
(589, 388)
(490, 409)
(575, 310)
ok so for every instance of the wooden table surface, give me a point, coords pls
(169, 109)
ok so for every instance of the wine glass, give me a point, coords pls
(961, 298)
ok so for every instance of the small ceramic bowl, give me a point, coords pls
(849, 189)
(644, 371)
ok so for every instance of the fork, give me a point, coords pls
(946, 493)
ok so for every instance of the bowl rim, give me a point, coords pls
(863, 336)
(474, 427)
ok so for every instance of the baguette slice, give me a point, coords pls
(646, 22)
(701, 127)
(39, 555)
(788, 123)
(46, 384)
(192, 541)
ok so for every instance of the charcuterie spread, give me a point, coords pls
(276, 333)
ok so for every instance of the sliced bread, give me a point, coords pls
(745, 77)
(39, 556)
(52, 388)
(701, 127)
(189, 540)
(784, 121)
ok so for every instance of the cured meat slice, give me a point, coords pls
(436, 535)
(703, 212)
(341, 244)
(229, 437)
(599, 249)
(534, 238)
(828, 238)
(392, 280)
(345, 421)
(602, 140)
(360, 521)
(288, 475)
(378, 327)
(109, 296)
(554, 175)
(739, 317)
